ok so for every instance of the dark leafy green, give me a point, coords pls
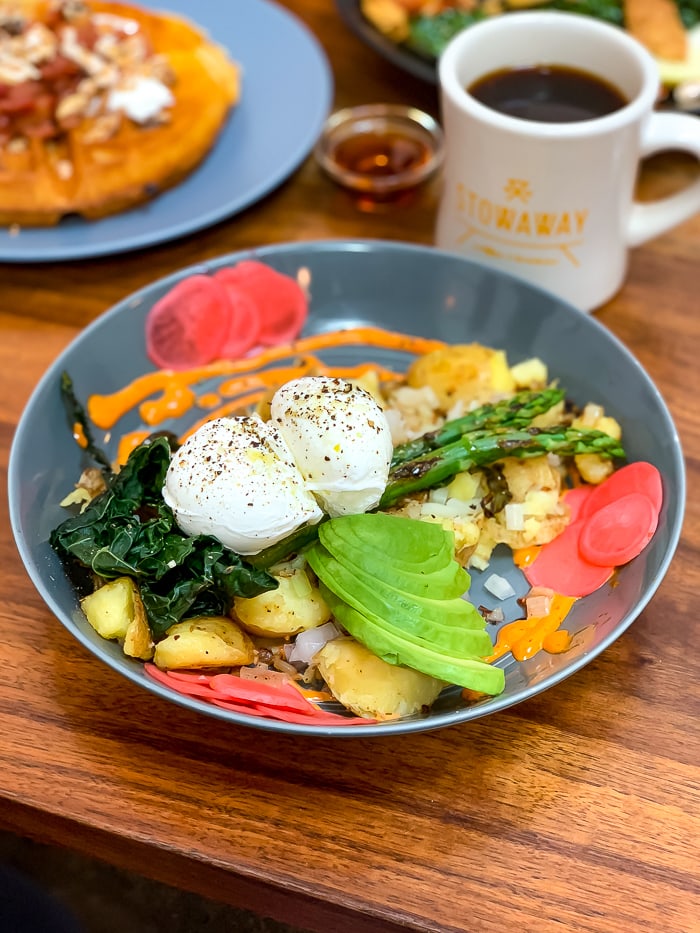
(428, 35)
(499, 494)
(609, 10)
(690, 12)
(76, 415)
(129, 531)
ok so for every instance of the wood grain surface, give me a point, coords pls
(576, 810)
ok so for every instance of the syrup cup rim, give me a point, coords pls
(365, 118)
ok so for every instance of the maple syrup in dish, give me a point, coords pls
(379, 155)
(380, 150)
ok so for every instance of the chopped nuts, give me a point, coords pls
(118, 57)
(103, 128)
(71, 106)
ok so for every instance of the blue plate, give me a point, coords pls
(400, 287)
(287, 94)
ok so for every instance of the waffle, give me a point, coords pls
(80, 149)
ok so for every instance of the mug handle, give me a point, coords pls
(666, 131)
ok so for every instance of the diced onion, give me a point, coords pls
(515, 516)
(308, 643)
(538, 606)
(495, 615)
(499, 587)
(438, 495)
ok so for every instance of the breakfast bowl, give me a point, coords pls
(357, 287)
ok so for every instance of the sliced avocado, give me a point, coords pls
(446, 582)
(453, 625)
(408, 544)
(393, 648)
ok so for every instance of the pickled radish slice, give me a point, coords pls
(282, 303)
(187, 326)
(640, 477)
(283, 702)
(560, 566)
(244, 326)
(611, 524)
(283, 696)
(576, 498)
(618, 531)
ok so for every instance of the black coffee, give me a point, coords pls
(547, 94)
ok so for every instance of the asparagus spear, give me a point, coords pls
(515, 412)
(478, 448)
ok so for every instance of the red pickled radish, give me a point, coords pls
(560, 566)
(281, 301)
(186, 687)
(618, 531)
(244, 327)
(260, 693)
(186, 327)
(575, 499)
(639, 477)
(189, 676)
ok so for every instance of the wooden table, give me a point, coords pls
(577, 810)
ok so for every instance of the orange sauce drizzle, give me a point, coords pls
(177, 395)
(557, 642)
(525, 637)
(79, 435)
(208, 400)
(524, 556)
(130, 442)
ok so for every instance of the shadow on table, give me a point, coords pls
(103, 899)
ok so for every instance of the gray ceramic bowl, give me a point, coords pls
(400, 287)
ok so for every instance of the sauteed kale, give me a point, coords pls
(129, 530)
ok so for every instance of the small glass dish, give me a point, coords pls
(380, 150)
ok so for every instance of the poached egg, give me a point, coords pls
(340, 440)
(235, 479)
(249, 483)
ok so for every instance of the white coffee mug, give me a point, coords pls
(554, 202)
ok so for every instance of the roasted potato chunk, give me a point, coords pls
(207, 641)
(593, 468)
(463, 373)
(296, 605)
(115, 611)
(370, 687)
